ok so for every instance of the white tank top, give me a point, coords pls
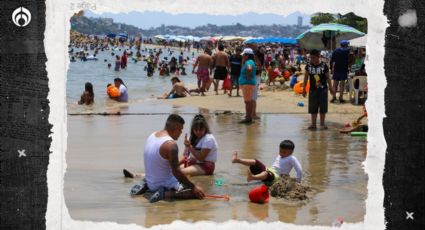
(157, 169)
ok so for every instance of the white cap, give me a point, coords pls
(247, 51)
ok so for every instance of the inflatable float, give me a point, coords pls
(113, 91)
(298, 88)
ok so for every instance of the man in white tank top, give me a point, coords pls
(163, 174)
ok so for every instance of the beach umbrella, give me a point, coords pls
(232, 38)
(189, 38)
(216, 38)
(177, 39)
(159, 37)
(111, 35)
(123, 35)
(359, 42)
(207, 38)
(317, 36)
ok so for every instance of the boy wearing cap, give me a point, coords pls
(281, 166)
(339, 65)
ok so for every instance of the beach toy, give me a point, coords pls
(113, 91)
(225, 197)
(219, 182)
(300, 104)
(298, 88)
(259, 194)
(358, 134)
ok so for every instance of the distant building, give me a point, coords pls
(300, 21)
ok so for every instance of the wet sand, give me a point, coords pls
(99, 147)
(278, 102)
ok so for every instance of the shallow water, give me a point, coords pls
(99, 147)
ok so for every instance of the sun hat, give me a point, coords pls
(247, 51)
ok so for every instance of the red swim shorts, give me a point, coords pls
(207, 166)
(203, 74)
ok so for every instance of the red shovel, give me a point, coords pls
(225, 197)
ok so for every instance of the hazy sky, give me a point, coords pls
(149, 19)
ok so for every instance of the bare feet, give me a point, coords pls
(235, 157)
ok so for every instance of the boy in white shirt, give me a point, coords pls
(281, 166)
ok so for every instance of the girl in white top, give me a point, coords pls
(201, 149)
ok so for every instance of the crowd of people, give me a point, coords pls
(239, 67)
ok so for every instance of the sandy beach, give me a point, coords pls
(280, 101)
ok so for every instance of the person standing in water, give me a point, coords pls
(247, 83)
(259, 62)
(124, 60)
(317, 73)
(117, 63)
(123, 96)
(87, 97)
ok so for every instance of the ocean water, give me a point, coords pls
(141, 88)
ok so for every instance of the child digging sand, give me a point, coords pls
(281, 166)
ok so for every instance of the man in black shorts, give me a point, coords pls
(221, 65)
(317, 73)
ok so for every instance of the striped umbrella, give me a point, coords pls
(317, 36)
